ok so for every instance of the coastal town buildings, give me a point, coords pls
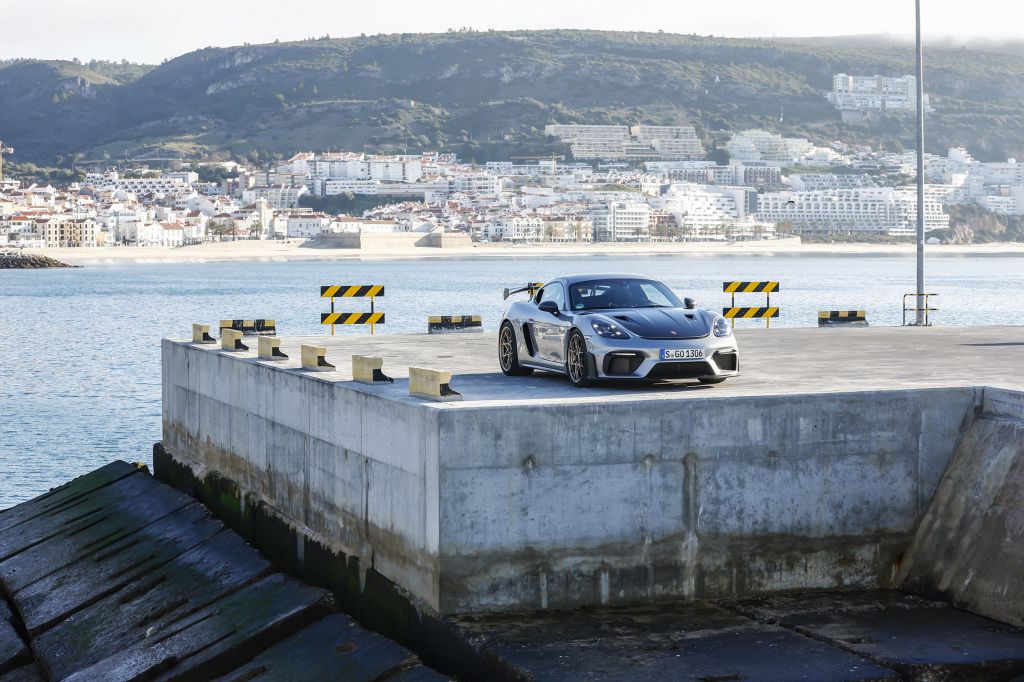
(773, 184)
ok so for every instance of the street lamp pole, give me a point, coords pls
(920, 298)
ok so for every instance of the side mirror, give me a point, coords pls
(689, 303)
(548, 307)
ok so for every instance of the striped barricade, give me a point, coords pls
(451, 324)
(834, 318)
(750, 287)
(370, 291)
(257, 327)
(351, 318)
(767, 312)
(750, 313)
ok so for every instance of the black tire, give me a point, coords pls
(508, 352)
(712, 380)
(576, 360)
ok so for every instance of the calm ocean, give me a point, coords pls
(80, 349)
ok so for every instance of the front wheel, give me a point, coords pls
(508, 352)
(576, 360)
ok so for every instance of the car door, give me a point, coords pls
(549, 330)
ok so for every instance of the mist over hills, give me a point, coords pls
(488, 95)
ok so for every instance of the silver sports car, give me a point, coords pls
(599, 327)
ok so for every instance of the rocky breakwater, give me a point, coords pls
(11, 260)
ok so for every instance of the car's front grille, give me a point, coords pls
(680, 370)
(727, 360)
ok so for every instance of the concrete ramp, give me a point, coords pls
(969, 547)
(116, 576)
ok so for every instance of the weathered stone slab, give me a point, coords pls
(123, 507)
(695, 640)
(335, 648)
(156, 604)
(108, 568)
(13, 652)
(79, 514)
(26, 673)
(66, 493)
(219, 637)
(921, 639)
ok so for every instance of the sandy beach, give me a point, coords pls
(292, 250)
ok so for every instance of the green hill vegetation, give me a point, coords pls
(488, 95)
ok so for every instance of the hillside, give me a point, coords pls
(487, 95)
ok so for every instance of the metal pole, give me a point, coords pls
(922, 318)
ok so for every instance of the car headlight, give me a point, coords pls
(722, 327)
(608, 330)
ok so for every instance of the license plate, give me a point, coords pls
(682, 354)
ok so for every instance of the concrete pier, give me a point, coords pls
(811, 471)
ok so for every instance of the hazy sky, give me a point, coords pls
(145, 30)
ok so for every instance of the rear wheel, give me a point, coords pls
(576, 360)
(508, 352)
(711, 380)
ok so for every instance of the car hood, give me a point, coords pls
(661, 323)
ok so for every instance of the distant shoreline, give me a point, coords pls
(293, 250)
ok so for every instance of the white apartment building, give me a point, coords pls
(621, 143)
(874, 93)
(761, 145)
(279, 197)
(307, 225)
(708, 212)
(515, 229)
(810, 182)
(621, 221)
(480, 184)
(753, 174)
(876, 210)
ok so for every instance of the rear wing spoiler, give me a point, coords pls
(532, 287)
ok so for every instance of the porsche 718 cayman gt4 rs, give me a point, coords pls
(604, 327)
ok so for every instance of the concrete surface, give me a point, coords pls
(772, 362)
(691, 641)
(116, 576)
(918, 638)
(969, 547)
(811, 470)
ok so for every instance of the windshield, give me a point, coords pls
(603, 294)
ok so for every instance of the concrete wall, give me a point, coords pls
(565, 505)
(487, 505)
(969, 548)
(394, 240)
(352, 470)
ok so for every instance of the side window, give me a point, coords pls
(553, 292)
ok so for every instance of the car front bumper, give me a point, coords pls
(636, 358)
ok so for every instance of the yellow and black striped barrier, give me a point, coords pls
(264, 327)
(352, 291)
(750, 287)
(767, 312)
(852, 318)
(370, 291)
(351, 318)
(750, 313)
(452, 324)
